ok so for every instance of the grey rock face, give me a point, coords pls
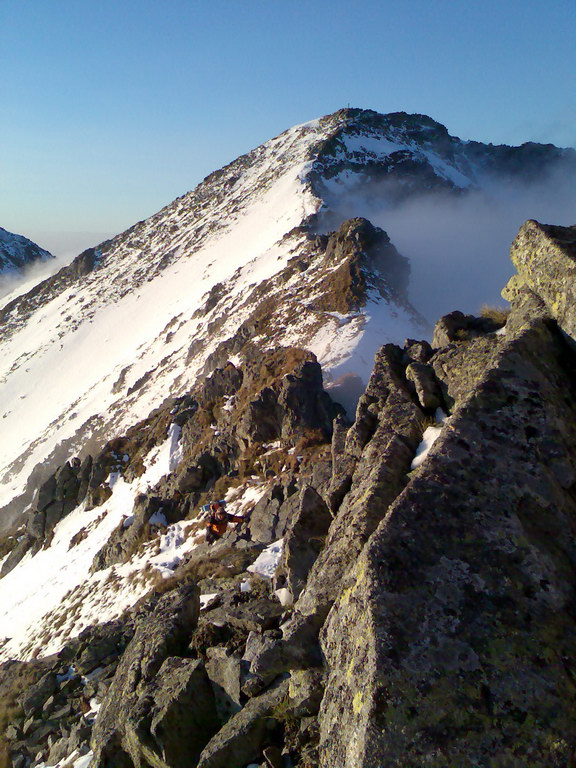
(183, 715)
(426, 385)
(303, 541)
(242, 739)
(37, 694)
(122, 734)
(436, 649)
(225, 673)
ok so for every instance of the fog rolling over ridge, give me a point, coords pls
(458, 243)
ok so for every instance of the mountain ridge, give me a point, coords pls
(241, 226)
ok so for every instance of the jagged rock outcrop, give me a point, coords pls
(457, 326)
(451, 643)
(304, 540)
(144, 698)
(379, 448)
(545, 260)
(361, 258)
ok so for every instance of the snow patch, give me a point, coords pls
(267, 561)
(431, 434)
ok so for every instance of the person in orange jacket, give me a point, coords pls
(218, 522)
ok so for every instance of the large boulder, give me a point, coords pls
(545, 259)
(123, 733)
(456, 327)
(244, 737)
(182, 716)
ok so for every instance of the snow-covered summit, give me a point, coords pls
(243, 256)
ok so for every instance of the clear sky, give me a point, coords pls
(112, 108)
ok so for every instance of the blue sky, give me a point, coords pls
(111, 109)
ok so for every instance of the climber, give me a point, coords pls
(218, 522)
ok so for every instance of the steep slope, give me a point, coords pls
(94, 348)
(400, 590)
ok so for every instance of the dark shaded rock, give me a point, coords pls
(23, 546)
(273, 757)
(243, 738)
(295, 404)
(223, 382)
(121, 732)
(102, 644)
(304, 403)
(342, 465)
(456, 326)
(262, 419)
(183, 715)
(33, 700)
(303, 541)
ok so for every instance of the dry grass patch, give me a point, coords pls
(498, 314)
(15, 678)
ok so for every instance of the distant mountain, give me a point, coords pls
(17, 252)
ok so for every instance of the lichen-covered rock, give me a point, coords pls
(452, 643)
(426, 385)
(459, 367)
(545, 259)
(456, 326)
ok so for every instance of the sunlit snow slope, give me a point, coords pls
(96, 347)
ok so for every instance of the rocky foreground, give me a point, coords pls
(422, 609)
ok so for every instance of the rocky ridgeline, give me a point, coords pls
(417, 616)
